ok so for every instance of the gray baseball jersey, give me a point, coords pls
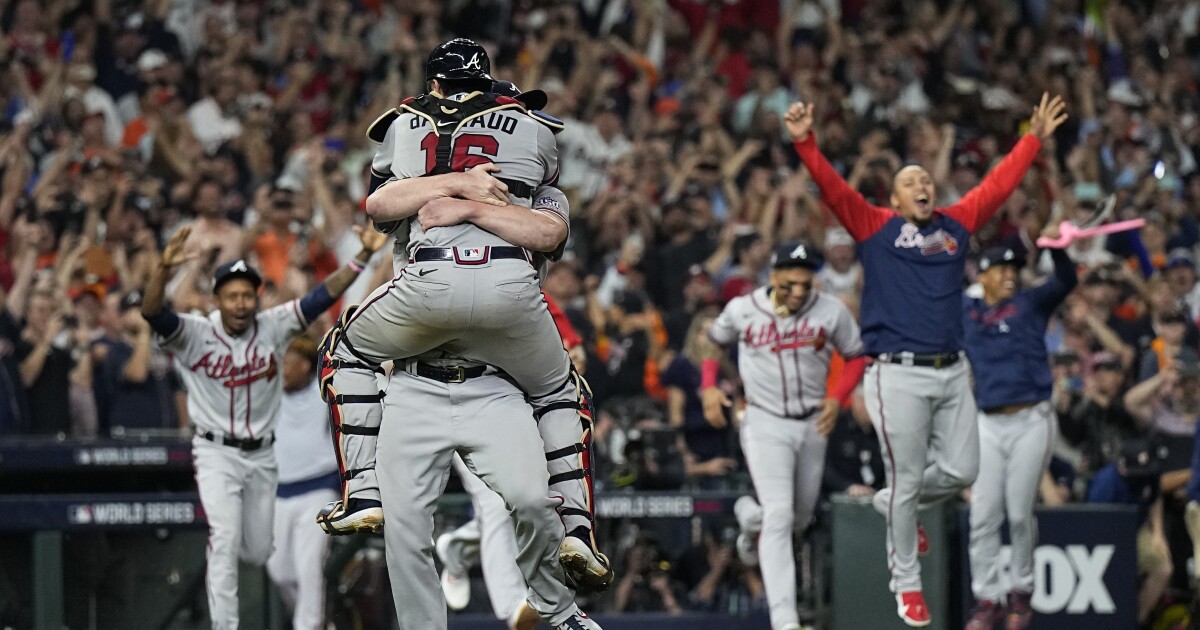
(234, 384)
(524, 147)
(546, 199)
(784, 361)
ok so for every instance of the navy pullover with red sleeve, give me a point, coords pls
(913, 275)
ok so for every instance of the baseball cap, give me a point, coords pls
(796, 254)
(151, 60)
(1142, 457)
(235, 269)
(531, 99)
(1180, 257)
(999, 256)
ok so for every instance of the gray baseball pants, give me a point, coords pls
(1014, 450)
(492, 314)
(926, 421)
(487, 421)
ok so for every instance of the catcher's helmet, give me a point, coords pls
(532, 99)
(458, 58)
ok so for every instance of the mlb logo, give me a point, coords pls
(81, 514)
(471, 255)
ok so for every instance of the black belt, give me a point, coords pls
(449, 373)
(468, 255)
(936, 361)
(247, 445)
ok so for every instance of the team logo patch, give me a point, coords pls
(929, 244)
(549, 203)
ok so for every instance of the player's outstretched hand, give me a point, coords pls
(172, 255)
(372, 240)
(715, 402)
(1047, 116)
(828, 417)
(799, 120)
(478, 184)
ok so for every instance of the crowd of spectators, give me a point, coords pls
(123, 121)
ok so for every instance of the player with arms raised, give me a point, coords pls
(913, 256)
(230, 362)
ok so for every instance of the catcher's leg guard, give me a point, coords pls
(349, 386)
(565, 423)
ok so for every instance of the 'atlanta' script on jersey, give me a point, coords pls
(222, 368)
(768, 335)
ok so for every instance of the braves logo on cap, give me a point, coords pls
(239, 266)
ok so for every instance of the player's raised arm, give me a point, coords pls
(327, 293)
(402, 198)
(858, 216)
(980, 203)
(163, 320)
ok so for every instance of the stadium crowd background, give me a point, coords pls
(123, 121)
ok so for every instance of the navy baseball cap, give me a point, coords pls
(796, 254)
(236, 269)
(999, 256)
(531, 99)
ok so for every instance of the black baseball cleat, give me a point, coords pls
(359, 515)
(587, 570)
(578, 621)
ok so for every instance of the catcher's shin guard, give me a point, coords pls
(565, 423)
(349, 386)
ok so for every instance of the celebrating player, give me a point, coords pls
(786, 334)
(1005, 339)
(912, 326)
(229, 362)
(466, 301)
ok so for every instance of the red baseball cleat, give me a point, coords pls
(985, 615)
(1020, 612)
(922, 541)
(912, 609)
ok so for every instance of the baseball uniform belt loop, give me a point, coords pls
(451, 374)
(568, 511)
(935, 361)
(468, 255)
(244, 444)
(352, 473)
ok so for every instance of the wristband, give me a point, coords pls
(355, 266)
(709, 369)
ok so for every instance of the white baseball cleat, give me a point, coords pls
(578, 621)
(456, 583)
(586, 569)
(747, 550)
(362, 515)
(524, 617)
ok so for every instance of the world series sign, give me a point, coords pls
(1085, 567)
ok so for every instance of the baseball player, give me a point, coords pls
(466, 290)
(1005, 334)
(912, 256)
(308, 479)
(786, 333)
(491, 529)
(229, 363)
(486, 464)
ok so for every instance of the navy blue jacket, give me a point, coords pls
(1006, 342)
